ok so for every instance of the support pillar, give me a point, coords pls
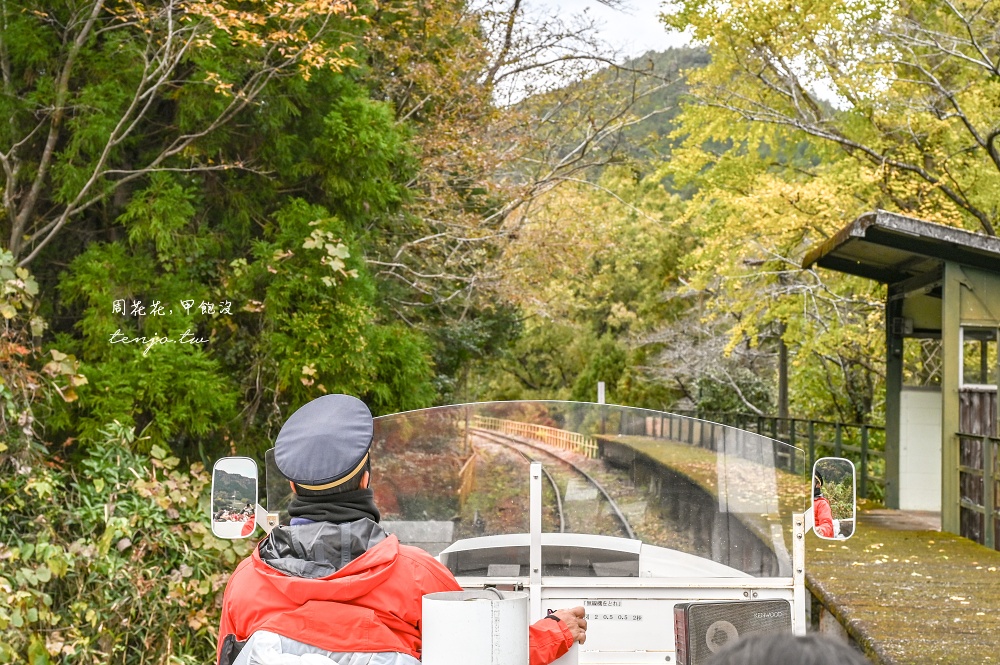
(951, 322)
(893, 390)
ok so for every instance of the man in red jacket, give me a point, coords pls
(334, 583)
(822, 515)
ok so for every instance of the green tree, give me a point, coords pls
(28, 384)
(100, 96)
(586, 269)
(90, 551)
(277, 288)
(906, 90)
(504, 110)
(755, 213)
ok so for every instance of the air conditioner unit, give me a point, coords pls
(701, 629)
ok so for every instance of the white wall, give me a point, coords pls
(920, 449)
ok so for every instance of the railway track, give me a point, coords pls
(560, 472)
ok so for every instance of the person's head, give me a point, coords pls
(780, 648)
(324, 448)
(817, 485)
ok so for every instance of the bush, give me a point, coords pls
(110, 559)
(841, 498)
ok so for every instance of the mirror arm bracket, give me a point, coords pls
(809, 518)
(261, 518)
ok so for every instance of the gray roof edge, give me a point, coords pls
(894, 222)
(856, 229)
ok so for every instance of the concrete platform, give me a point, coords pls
(908, 593)
(904, 520)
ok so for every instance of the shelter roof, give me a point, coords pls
(891, 248)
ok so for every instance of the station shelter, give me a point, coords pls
(942, 324)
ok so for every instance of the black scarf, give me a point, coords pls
(335, 508)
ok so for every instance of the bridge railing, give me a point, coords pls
(558, 438)
(863, 444)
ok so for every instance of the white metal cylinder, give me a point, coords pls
(483, 627)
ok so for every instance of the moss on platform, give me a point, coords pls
(910, 597)
(907, 597)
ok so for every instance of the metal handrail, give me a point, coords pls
(553, 436)
(863, 442)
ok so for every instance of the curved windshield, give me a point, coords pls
(454, 480)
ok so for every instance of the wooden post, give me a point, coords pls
(782, 375)
(951, 323)
(812, 445)
(984, 362)
(791, 441)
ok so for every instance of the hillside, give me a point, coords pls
(646, 91)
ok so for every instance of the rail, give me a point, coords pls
(864, 444)
(552, 436)
(612, 504)
(978, 480)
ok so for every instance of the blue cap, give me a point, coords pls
(325, 443)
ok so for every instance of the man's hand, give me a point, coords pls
(575, 621)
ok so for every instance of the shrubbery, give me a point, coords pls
(841, 498)
(110, 559)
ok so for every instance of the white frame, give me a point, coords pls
(256, 498)
(854, 499)
(961, 358)
(571, 591)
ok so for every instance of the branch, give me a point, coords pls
(508, 40)
(4, 54)
(20, 221)
(167, 57)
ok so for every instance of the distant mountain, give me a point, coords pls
(650, 138)
(656, 80)
(229, 485)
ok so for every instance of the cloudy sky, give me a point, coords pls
(636, 29)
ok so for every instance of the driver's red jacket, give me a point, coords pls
(372, 604)
(823, 517)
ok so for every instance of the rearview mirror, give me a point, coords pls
(835, 501)
(234, 497)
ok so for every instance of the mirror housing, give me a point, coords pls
(234, 497)
(835, 499)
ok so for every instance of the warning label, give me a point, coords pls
(610, 610)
